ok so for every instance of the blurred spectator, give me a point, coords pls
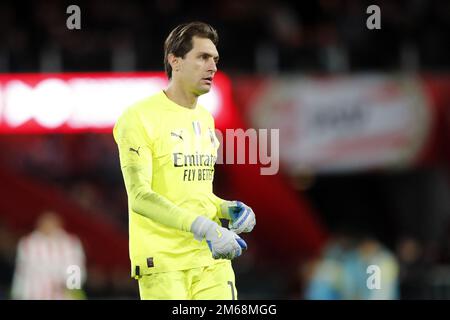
(341, 273)
(323, 276)
(43, 261)
(369, 252)
(413, 269)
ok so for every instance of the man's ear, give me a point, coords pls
(173, 61)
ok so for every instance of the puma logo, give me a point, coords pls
(173, 134)
(134, 150)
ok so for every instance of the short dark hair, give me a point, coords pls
(179, 41)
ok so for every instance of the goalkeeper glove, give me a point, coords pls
(223, 243)
(241, 216)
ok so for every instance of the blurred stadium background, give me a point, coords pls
(364, 119)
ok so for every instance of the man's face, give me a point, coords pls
(49, 223)
(197, 68)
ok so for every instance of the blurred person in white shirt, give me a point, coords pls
(47, 263)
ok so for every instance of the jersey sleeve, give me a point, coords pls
(135, 153)
(218, 202)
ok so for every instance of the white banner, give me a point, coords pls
(344, 123)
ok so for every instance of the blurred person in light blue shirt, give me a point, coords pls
(370, 272)
(325, 280)
(343, 273)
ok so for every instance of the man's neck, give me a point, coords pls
(180, 96)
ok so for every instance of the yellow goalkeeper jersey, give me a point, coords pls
(167, 155)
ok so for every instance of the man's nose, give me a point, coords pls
(212, 66)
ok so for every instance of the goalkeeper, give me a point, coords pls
(167, 149)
